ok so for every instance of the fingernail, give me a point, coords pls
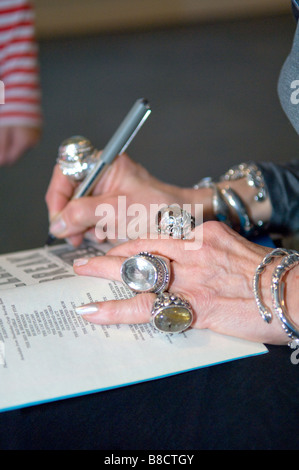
(86, 309)
(57, 226)
(80, 261)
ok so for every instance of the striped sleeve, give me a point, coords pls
(19, 70)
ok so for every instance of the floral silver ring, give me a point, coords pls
(77, 157)
(175, 222)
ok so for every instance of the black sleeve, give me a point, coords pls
(283, 185)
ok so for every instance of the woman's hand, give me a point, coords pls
(15, 140)
(125, 178)
(216, 278)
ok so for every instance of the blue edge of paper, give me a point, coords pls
(262, 240)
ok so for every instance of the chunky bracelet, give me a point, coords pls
(220, 208)
(254, 178)
(246, 227)
(253, 175)
(226, 201)
(290, 260)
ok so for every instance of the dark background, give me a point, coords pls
(212, 88)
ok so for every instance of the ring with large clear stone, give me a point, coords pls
(175, 222)
(146, 273)
(171, 313)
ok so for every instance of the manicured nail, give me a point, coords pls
(57, 226)
(86, 309)
(80, 261)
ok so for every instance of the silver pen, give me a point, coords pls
(116, 146)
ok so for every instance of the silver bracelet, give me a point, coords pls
(254, 178)
(277, 291)
(253, 175)
(225, 199)
(290, 260)
(264, 311)
(220, 208)
(235, 202)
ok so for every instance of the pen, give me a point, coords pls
(116, 146)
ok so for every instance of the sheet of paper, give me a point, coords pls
(50, 353)
(44, 264)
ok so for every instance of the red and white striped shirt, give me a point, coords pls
(19, 70)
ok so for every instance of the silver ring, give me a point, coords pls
(174, 222)
(146, 273)
(171, 313)
(76, 157)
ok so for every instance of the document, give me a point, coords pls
(48, 352)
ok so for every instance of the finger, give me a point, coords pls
(22, 139)
(107, 267)
(76, 218)
(134, 310)
(59, 192)
(165, 247)
(16, 150)
(75, 240)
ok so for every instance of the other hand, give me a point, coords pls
(124, 178)
(216, 279)
(16, 140)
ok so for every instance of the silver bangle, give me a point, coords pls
(226, 199)
(236, 203)
(223, 200)
(220, 208)
(264, 311)
(254, 178)
(277, 291)
(289, 261)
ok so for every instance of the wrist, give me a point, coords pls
(257, 210)
(291, 294)
(278, 304)
(199, 198)
(240, 199)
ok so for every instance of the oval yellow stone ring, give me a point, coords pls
(171, 313)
